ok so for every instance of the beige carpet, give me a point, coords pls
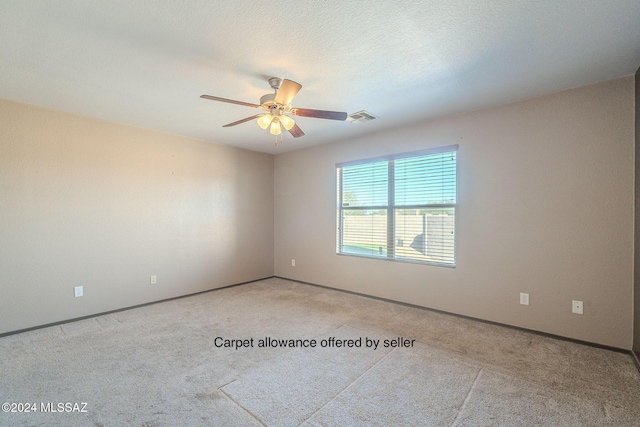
(159, 366)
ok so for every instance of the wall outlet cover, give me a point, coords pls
(78, 291)
(577, 307)
(524, 299)
(153, 280)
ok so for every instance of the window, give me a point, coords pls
(399, 207)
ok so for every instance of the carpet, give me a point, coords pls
(166, 365)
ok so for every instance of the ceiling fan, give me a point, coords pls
(277, 105)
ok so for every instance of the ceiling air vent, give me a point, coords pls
(361, 116)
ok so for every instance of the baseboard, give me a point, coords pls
(76, 319)
(533, 331)
(636, 359)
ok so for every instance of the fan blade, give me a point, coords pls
(230, 101)
(296, 131)
(243, 120)
(288, 89)
(320, 114)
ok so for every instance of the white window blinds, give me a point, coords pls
(400, 207)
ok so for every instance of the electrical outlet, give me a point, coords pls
(293, 263)
(153, 280)
(78, 291)
(524, 299)
(577, 307)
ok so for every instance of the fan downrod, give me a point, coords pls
(275, 83)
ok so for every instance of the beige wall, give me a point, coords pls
(545, 193)
(102, 205)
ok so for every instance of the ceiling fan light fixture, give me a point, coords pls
(287, 122)
(275, 128)
(265, 121)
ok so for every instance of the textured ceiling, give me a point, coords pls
(146, 63)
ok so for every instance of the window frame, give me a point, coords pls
(391, 207)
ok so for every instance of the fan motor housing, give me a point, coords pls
(268, 99)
